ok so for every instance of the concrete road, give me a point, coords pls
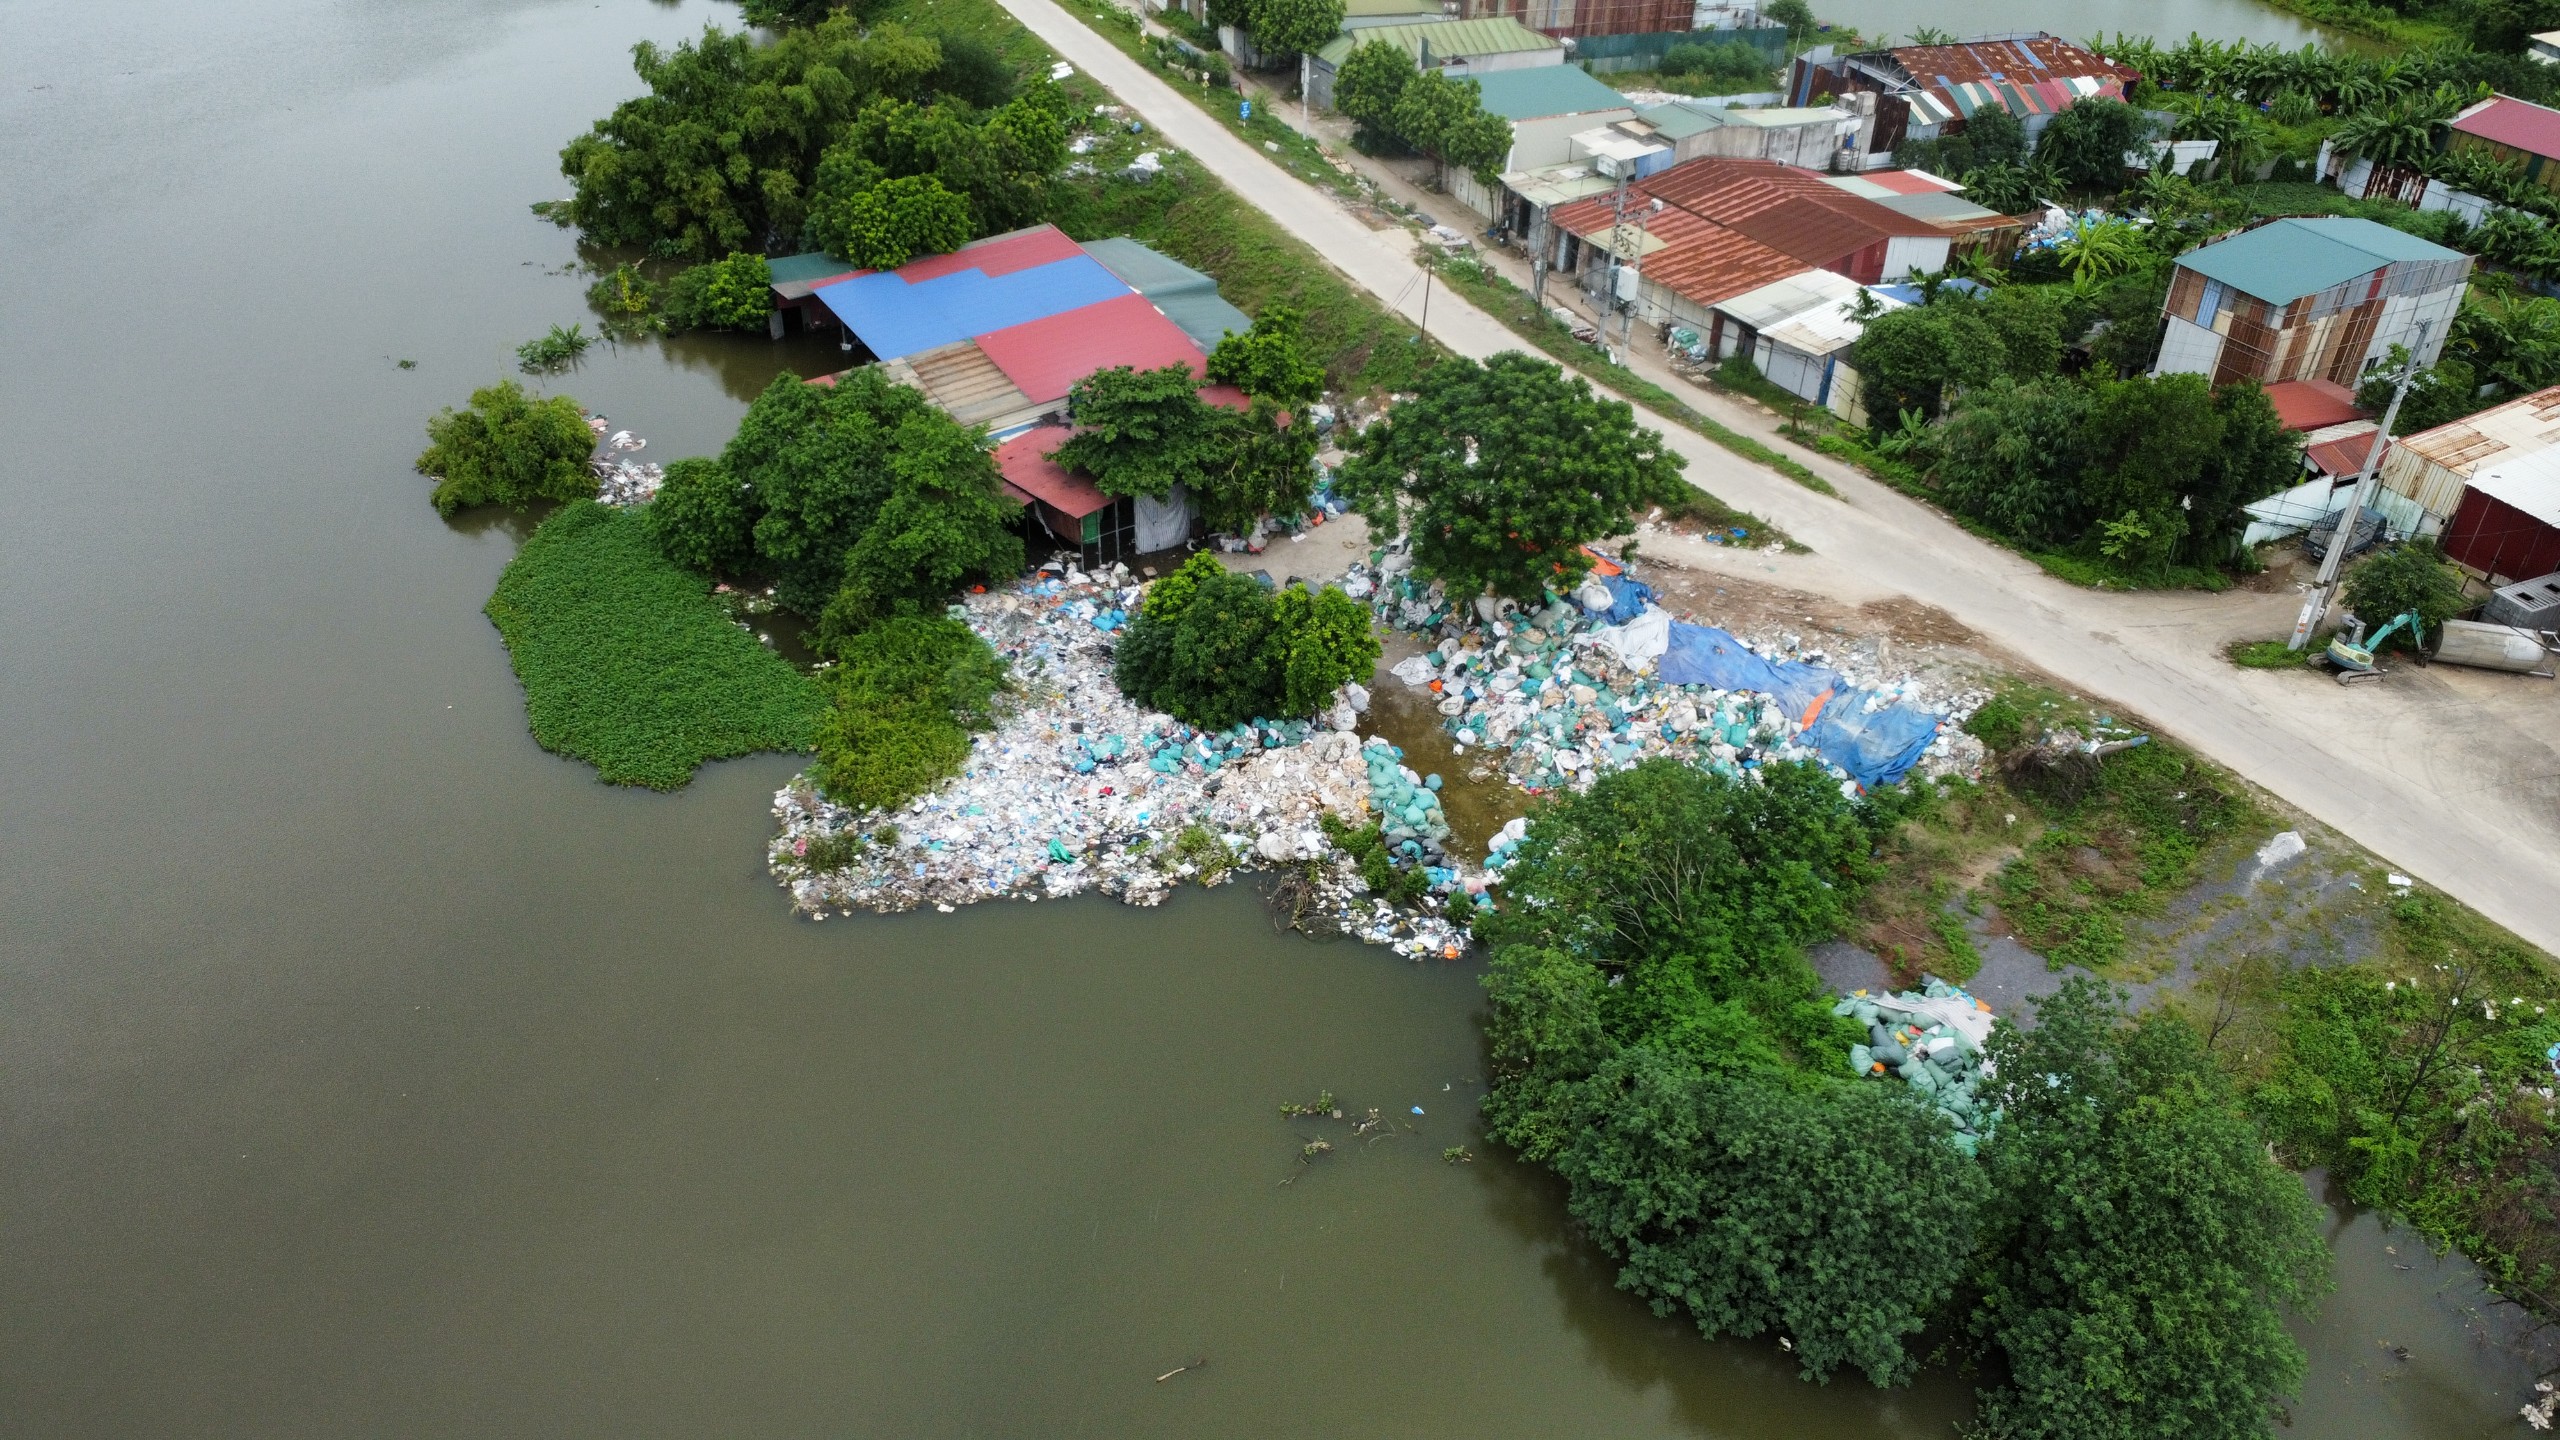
(2449, 774)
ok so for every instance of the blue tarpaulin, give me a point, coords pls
(1875, 747)
(1704, 655)
(1627, 599)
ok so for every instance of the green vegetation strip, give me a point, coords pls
(629, 664)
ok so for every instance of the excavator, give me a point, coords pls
(2353, 658)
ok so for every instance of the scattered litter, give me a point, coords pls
(2286, 845)
(1061, 70)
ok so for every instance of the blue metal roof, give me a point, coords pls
(2283, 260)
(895, 317)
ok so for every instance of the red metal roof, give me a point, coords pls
(2313, 404)
(1026, 466)
(2020, 62)
(997, 254)
(1907, 182)
(2519, 123)
(2341, 457)
(1732, 225)
(1044, 358)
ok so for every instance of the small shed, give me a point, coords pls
(2428, 469)
(1071, 508)
(2507, 527)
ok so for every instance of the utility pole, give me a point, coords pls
(1427, 267)
(1622, 246)
(2324, 586)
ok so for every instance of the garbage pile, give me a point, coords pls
(1607, 678)
(1078, 788)
(1932, 1039)
(620, 480)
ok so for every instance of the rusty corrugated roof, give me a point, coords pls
(2022, 62)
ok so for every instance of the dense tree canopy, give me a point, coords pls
(731, 293)
(2085, 146)
(2403, 578)
(1291, 27)
(1371, 80)
(1214, 648)
(2146, 1242)
(1502, 471)
(858, 499)
(719, 155)
(2145, 470)
(508, 448)
(884, 225)
(1142, 432)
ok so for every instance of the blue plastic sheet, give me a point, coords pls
(1875, 747)
(1627, 599)
(1704, 655)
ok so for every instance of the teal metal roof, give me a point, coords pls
(1448, 40)
(1188, 298)
(1674, 120)
(2284, 260)
(1543, 90)
(812, 266)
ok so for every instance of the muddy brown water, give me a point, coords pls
(368, 1071)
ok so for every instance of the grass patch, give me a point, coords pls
(2118, 834)
(2436, 26)
(2266, 655)
(629, 664)
(1956, 836)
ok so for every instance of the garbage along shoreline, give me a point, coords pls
(1079, 789)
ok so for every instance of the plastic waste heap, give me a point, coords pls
(1930, 1039)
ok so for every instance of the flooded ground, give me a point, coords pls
(371, 1072)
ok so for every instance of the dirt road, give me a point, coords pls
(2449, 773)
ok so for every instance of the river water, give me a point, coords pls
(365, 1070)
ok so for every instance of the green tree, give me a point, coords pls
(703, 519)
(732, 293)
(1446, 120)
(945, 521)
(1909, 359)
(2141, 1244)
(2085, 146)
(905, 695)
(1291, 27)
(1796, 15)
(2096, 250)
(2014, 457)
(1269, 361)
(2401, 579)
(1370, 83)
(890, 223)
(1502, 471)
(508, 448)
(1836, 1214)
(817, 458)
(1206, 657)
(717, 157)
(1323, 638)
(1142, 432)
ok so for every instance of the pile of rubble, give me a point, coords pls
(1564, 695)
(1078, 788)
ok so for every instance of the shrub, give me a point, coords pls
(1997, 723)
(554, 351)
(702, 518)
(629, 664)
(735, 293)
(1723, 60)
(1214, 648)
(508, 449)
(905, 696)
(2404, 578)
(628, 302)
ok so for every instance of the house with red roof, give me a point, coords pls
(2510, 132)
(1701, 233)
(1925, 91)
